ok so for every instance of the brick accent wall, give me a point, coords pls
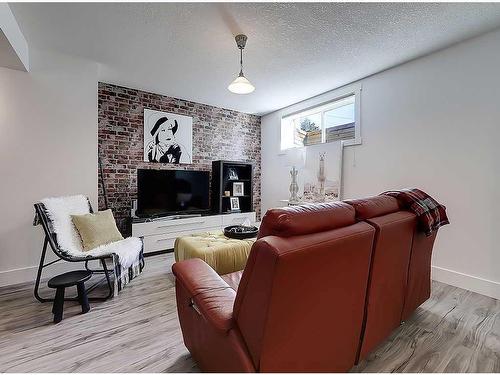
(218, 134)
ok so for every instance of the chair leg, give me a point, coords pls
(106, 272)
(39, 272)
(57, 308)
(54, 305)
(82, 297)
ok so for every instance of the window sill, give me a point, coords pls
(352, 142)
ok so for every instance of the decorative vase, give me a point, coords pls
(321, 177)
(294, 187)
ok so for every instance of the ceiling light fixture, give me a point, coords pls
(241, 85)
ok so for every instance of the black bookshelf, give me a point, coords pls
(222, 181)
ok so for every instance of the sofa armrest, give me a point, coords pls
(211, 296)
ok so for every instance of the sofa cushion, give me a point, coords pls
(388, 277)
(306, 219)
(378, 205)
(233, 279)
(96, 229)
(210, 294)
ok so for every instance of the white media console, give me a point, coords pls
(160, 234)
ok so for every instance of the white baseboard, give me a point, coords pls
(473, 283)
(28, 274)
(17, 276)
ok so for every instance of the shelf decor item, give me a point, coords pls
(223, 172)
(235, 203)
(238, 189)
(321, 177)
(240, 232)
(295, 160)
(233, 175)
(294, 187)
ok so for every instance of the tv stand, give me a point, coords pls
(138, 219)
(160, 233)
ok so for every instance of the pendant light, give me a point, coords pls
(241, 85)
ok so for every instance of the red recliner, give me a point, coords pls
(323, 286)
(299, 305)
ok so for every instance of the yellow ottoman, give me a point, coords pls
(223, 254)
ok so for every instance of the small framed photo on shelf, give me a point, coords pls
(238, 189)
(235, 203)
(233, 175)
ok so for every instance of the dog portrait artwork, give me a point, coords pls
(168, 137)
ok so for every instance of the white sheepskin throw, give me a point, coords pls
(127, 250)
(59, 211)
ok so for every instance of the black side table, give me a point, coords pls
(67, 279)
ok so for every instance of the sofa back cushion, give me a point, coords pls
(306, 219)
(389, 266)
(388, 277)
(378, 205)
(300, 302)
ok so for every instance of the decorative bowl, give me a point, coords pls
(240, 232)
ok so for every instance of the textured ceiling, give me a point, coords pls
(294, 50)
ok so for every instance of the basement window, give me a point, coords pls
(337, 120)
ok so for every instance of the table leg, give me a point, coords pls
(57, 308)
(82, 297)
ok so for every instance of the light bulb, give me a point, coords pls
(241, 85)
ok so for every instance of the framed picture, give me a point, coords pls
(233, 175)
(168, 137)
(235, 203)
(322, 173)
(238, 189)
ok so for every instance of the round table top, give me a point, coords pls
(69, 278)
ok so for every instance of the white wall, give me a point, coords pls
(433, 123)
(48, 147)
(14, 50)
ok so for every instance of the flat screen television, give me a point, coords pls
(171, 192)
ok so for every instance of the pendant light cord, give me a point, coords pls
(241, 61)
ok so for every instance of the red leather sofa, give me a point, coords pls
(323, 286)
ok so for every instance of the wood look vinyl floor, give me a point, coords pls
(455, 331)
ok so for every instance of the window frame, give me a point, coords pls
(328, 104)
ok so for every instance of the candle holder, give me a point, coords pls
(294, 187)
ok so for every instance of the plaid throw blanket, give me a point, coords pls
(430, 214)
(123, 276)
